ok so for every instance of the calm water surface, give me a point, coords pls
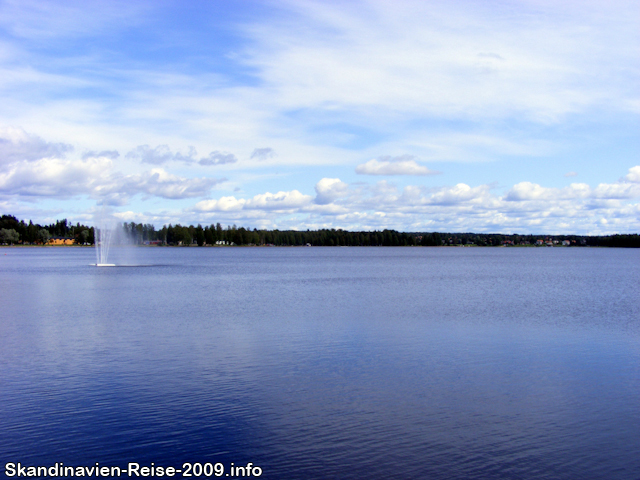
(314, 363)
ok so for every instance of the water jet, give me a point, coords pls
(114, 243)
(107, 233)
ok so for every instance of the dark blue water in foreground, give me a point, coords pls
(314, 363)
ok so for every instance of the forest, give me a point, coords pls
(19, 232)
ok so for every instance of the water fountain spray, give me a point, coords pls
(104, 229)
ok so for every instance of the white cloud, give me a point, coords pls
(403, 165)
(53, 177)
(111, 154)
(160, 154)
(633, 175)
(436, 58)
(459, 194)
(157, 182)
(32, 168)
(263, 153)
(330, 189)
(329, 84)
(626, 188)
(576, 191)
(281, 201)
(224, 204)
(620, 190)
(96, 178)
(526, 208)
(163, 154)
(368, 65)
(218, 158)
(18, 145)
(527, 191)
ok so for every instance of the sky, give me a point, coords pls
(454, 116)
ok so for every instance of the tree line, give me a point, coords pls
(14, 231)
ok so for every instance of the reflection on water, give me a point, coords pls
(326, 363)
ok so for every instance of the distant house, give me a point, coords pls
(60, 241)
(539, 242)
(566, 243)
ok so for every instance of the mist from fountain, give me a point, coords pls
(109, 233)
(103, 230)
(115, 245)
(103, 244)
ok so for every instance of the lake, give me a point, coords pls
(319, 363)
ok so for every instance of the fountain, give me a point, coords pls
(104, 230)
(103, 242)
(115, 244)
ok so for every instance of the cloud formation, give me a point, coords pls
(162, 154)
(497, 90)
(218, 158)
(34, 168)
(263, 153)
(18, 145)
(111, 154)
(387, 165)
(438, 59)
(277, 202)
(159, 155)
(52, 177)
(633, 175)
(156, 182)
(329, 190)
(524, 208)
(96, 178)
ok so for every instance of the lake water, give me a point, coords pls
(319, 363)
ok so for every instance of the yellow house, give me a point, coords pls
(60, 241)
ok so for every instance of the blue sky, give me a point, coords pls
(497, 116)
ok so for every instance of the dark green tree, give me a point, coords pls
(9, 236)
